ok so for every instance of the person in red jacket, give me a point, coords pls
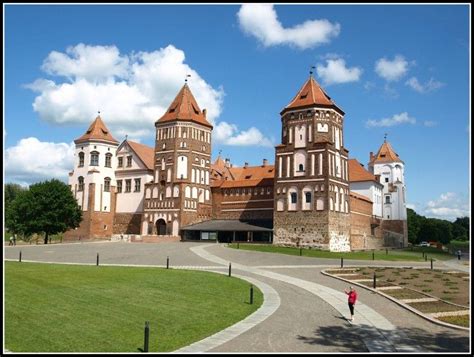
(352, 298)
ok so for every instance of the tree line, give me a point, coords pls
(421, 228)
(44, 208)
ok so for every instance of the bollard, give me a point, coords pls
(230, 269)
(167, 262)
(375, 281)
(20, 257)
(301, 252)
(342, 262)
(97, 263)
(251, 294)
(431, 263)
(386, 251)
(147, 335)
(373, 255)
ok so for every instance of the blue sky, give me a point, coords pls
(396, 69)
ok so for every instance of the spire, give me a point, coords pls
(184, 107)
(385, 154)
(310, 95)
(97, 131)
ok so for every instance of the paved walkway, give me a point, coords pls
(304, 311)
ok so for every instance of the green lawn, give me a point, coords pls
(73, 308)
(393, 255)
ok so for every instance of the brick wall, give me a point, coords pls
(127, 223)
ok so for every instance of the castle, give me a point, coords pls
(314, 195)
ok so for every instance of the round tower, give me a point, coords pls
(93, 181)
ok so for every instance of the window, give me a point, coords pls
(108, 160)
(107, 184)
(137, 185)
(128, 185)
(129, 161)
(293, 197)
(119, 186)
(81, 159)
(94, 158)
(300, 167)
(308, 197)
(387, 199)
(80, 183)
(386, 179)
(120, 161)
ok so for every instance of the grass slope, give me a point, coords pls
(393, 255)
(73, 308)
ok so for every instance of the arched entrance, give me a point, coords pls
(161, 227)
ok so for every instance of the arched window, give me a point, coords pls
(300, 167)
(94, 158)
(81, 159)
(80, 180)
(108, 160)
(107, 184)
(308, 197)
(292, 199)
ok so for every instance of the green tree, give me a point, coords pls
(47, 207)
(414, 221)
(11, 191)
(461, 228)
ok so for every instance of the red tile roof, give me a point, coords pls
(360, 197)
(309, 95)
(184, 107)
(385, 154)
(97, 131)
(241, 176)
(144, 152)
(358, 173)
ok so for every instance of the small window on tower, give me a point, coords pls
(386, 179)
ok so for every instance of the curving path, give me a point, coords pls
(304, 311)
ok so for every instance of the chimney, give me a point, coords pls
(204, 112)
(265, 162)
(246, 165)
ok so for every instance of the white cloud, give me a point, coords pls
(397, 119)
(336, 72)
(429, 86)
(31, 160)
(131, 91)
(228, 134)
(411, 206)
(89, 62)
(448, 206)
(430, 123)
(261, 21)
(391, 70)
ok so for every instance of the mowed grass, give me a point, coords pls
(73, 308)
(393, 255)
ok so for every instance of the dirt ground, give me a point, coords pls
(451, 287)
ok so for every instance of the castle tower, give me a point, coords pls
(93, 181)
(311, 176)
(388, 165)
(180, 193)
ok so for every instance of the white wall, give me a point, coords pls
(371, 190)
(396, 210)
(97, 177)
